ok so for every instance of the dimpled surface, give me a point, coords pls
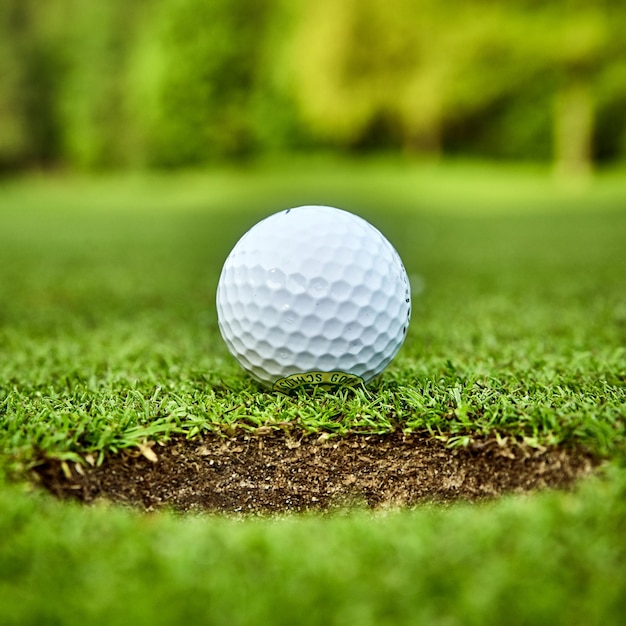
(313, 289)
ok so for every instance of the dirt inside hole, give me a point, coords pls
(283, 472)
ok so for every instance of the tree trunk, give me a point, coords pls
(424, 140)
(573, 131)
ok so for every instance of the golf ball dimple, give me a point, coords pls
(313, 295)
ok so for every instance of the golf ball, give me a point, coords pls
(313, 295)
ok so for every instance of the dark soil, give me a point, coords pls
(280, 472)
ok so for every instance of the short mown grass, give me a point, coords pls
(108, 338)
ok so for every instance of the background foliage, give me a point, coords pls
(108, 83)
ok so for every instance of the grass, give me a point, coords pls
(553, 560)
(108, 337)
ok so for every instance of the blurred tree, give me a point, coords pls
(578, 50)
(99, 127)
(31, 70)
(214, 88)
(13, 126)
(351, 59)
(427, 68)
(111, 83)
(417, 64)
(578, 44)
(609, 84)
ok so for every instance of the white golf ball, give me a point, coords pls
(313, 295)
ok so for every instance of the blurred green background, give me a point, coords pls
(109, 84)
